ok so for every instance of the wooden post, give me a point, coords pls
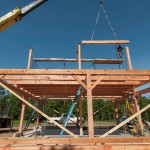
(139, 116)
(79, 56)
(90, 106)
(22, 118)
(30, 58)
(128, 58)
(38, 115)
(80, 115)
(136, 105)
(116, 111)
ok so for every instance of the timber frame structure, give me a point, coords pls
(41, 84)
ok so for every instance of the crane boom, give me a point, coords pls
(15, 15)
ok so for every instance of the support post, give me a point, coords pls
(139, 116)
(80, 114)
(128, 58)
(22, 118)
(116, 111)
(136, 105)
(90, 106)
(38, 115)
(30, 58)
(79, 56)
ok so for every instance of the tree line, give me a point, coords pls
(103, 110)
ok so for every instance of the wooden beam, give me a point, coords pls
(90, 107)
(30, 58)
(16, 89)
(70, 82)
(72, 72)
(95, 61)
(75, 141)
(126, 121)
(144, 91)
(106, 42)
(79, 81)
(4, 85)
(97, 82)
(78, 147)
(70, 78)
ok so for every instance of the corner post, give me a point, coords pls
(79, 55)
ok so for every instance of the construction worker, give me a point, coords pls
(131, 103)
(119, 52)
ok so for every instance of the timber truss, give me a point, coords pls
(40, 84)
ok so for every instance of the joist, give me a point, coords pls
(106, 42)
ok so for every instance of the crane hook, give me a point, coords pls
(101, 2)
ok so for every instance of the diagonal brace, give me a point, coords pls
(5, 85)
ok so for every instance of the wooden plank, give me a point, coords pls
(124, 122)
(106, 42)
(5, 85)
(90, 107)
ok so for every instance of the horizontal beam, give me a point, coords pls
(106, 42)
(95, 61)
(77, 147)
(72, 141)
(70, 82)
(144, 91)
(72, 72)
(68, 77)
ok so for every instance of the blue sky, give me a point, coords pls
(56, 27)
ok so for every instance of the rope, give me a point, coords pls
(108, 20)
(97, 19)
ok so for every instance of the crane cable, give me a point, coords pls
(95, 24)
(108, 20)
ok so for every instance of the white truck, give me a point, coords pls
(73, 119)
